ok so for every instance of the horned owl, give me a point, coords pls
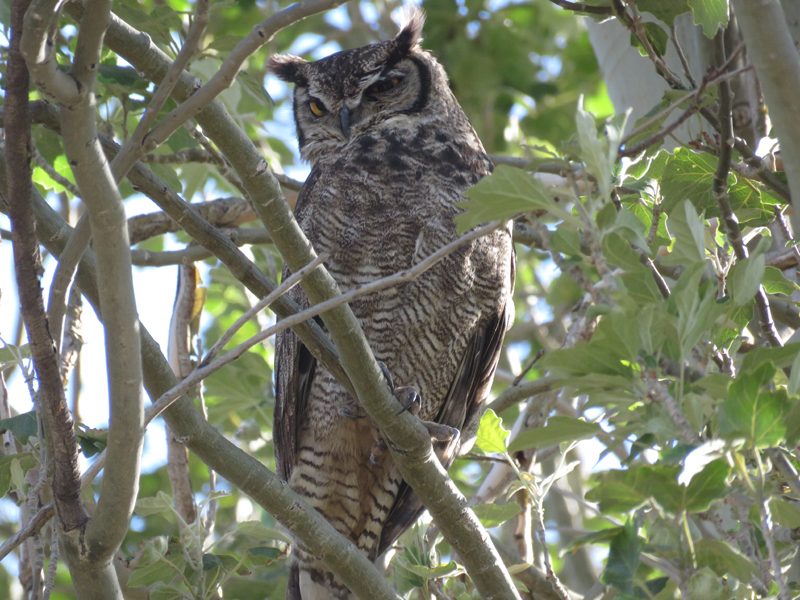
(391, 152)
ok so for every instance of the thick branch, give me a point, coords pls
(57, 422)
(115, 284)
(772, 51)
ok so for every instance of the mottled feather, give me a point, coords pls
(391, 153)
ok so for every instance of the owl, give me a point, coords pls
(391, 152)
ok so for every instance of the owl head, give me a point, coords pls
(354, 91)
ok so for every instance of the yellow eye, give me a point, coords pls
(316, 108)
(384, 85)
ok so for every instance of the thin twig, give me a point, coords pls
(137, 145)
(284, 287)
(204, 371)
(240, 237)
(527, 368)
(223, 78)
(657, 392)
(53, 174)
(719, 191)
(584, 8)
(787, 234)
(686, 70)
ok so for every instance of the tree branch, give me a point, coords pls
(52, 405)
(719, 191)
(773, 53)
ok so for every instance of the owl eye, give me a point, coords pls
(384, 85)
(316, 108)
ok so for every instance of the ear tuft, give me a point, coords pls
(288, 68)
(411, 33)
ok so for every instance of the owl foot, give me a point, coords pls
(409, 398)
(441, 433)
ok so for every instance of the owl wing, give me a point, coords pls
(461, 409)
(294, 372)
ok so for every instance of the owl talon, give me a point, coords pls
(441, 433)
(410, 399)
(387, 375)
(377, 451)
(346, 413)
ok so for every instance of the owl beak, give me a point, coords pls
(345, 117)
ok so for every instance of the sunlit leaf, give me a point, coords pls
(492, 515)
(491, 433)
(502, 195)
(558, 429)
(711, 14)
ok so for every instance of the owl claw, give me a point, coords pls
(387, 375)
(346, 413)
(441, 433)
(409, 398)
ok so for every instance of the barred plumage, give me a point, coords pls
(392, 152)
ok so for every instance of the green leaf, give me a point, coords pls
(744, 279)
(775, 282)
(623, 559)
(690, 175)
(558, 429)
(617, 491)
(263, 555)
(664, 10)
(705, 584)
(599, 153)
(785, 512)
(23, 461)
(758, 416)
(167, 174)
(711, 14)
(446, 570)
(10, 353)
(708, 485)
(258, 531)
(685, 225)
(492, 515)
(160, 591)
(657, 37)
(23, 426)
(779, 356)
(618, 252)
(724, 560)
(502, 195)
(257, 90)
(491, 433)
(596, 537)
(91, 441)
(793, 424)
(150, 506)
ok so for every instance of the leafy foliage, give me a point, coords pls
(660, 436)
